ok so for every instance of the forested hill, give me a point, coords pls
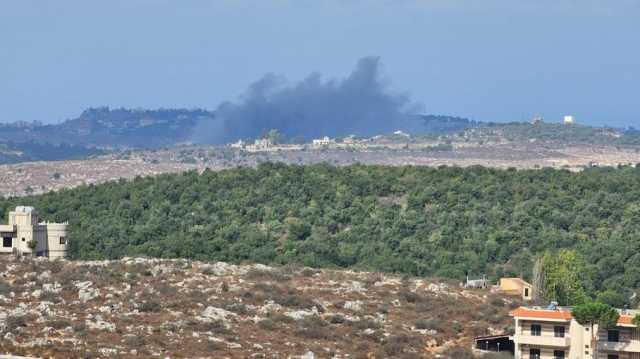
(553, 132)
(105, 127)
(415, 220)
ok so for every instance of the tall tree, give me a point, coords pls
(591, 313)
(563, 277)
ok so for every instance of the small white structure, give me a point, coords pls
(477, 283)
(349, 140)
(537, 120)
(324, 141)
(569, 120)
(261, 144)
(26, 235)
(401, 133)
(239, 145)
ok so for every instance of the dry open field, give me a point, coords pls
(39, 177)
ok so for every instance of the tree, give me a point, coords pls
(591, 313)
(274, 136)
(563, 275)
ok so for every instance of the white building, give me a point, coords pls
(569, 120)
(553, 333)
(239, 145)
(324, 141)
(25, 234)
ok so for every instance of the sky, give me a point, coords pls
(489, 60)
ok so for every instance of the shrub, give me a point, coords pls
(409, 296)
(431, 324)
(150, 305)
(13, 322)
(59, 324)
(313, 327)
(5, 288)
(267, 324)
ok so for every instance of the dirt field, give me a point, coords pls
(38, 177)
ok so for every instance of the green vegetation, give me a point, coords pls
(570, 134)
(15, 152)
(591, 313)
(415, 220)
(563, 277)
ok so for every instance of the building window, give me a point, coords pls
(613, 336)
(7, 242)
(526, 292)
(612, 356)
(63, 240)
(558, 354)
(534, 353)
(536, 329)
(558, 331)
(24, 239)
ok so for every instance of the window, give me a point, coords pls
(526, 292)
(558, 331)
(612, 356)
(534, 353)
(7, 242)
(613, 335)
(558, 354)
(23, 239)
(63, 240)
(536, 329)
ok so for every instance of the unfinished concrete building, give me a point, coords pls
(25, 234)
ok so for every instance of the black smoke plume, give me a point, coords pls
(359, 104)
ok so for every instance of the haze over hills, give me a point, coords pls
(100, 130)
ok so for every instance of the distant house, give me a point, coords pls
(568, 120)
(260, 145)
(239, 145)
(516, 287)
(324, 141)
(26, 235)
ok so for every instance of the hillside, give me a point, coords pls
(550, 132)
(112, 128)
(184, 309)
(414, 220)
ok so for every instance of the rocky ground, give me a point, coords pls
(185, 309)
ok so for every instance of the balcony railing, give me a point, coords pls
(630, 346)
(543, 340)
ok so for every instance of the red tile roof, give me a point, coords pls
(542, 314)
(557, 314)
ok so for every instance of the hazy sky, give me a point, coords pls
(491, 60)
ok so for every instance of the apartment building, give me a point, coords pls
(25, 234)
(552, 333)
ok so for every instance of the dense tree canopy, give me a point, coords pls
(414, 220)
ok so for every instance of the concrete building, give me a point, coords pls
(262, 144)
(238, 145)
(477, 283)
(552, 333)
(516, 287)
(324, 141)
(568, 120)
(537, 120)
(25, 234)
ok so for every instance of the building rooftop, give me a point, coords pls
(25, 209)
(564, 313)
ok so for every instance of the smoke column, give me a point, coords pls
(358, 104)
